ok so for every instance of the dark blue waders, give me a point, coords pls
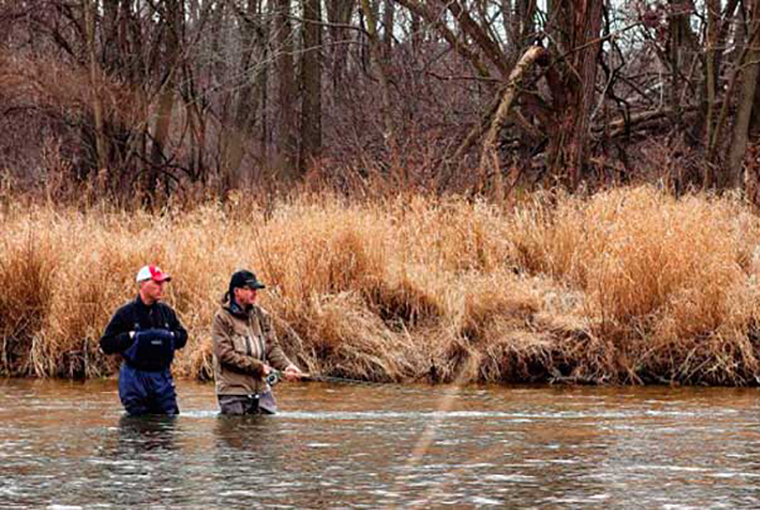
(143, 392)
(146, 385)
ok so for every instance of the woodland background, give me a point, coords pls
(154, 99)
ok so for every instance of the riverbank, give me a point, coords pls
(628, 286)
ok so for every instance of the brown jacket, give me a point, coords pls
(243, 342)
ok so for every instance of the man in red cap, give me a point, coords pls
(146, 332)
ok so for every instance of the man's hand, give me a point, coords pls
(292, 373)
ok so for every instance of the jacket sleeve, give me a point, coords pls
(274, 355)
(175, 326)
(224, 350)
(116, 338)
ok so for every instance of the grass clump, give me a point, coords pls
(625, 286)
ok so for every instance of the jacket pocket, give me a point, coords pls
(239, 344)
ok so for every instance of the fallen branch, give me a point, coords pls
(641, 120)
(490, 154)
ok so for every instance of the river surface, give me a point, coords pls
(67, 445)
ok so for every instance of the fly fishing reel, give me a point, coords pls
(273, 378)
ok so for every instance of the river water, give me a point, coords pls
(67, 445)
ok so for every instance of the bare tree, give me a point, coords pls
(311, 85)
(171, 16)
(166, 95)
(286, 91)
(246, 87)
(576, 27)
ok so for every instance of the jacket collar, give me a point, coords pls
(235, 309)
(140, 304)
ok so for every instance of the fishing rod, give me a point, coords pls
(275, 376)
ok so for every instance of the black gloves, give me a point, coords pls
(154, 335)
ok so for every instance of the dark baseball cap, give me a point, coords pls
(245, 278)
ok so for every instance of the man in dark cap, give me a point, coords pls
(146, 332)
(246, 350)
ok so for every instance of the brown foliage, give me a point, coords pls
(626, 286)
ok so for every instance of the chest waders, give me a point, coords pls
(146, 385)
(236, 405)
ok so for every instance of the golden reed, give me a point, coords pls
(628, 286)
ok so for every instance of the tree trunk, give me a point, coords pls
(110, 34)
(236, 135)
(754, 124)
(339, 15)
(101, 156)
(578, 27)
(711, 74)
(286, 90)
(677, 27)
(750, 69)
(389, 13)
(375, 52)
(172, 19)
(417, 35)
(311, 85)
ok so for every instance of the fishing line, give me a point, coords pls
(275, 376)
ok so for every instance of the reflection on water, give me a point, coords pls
(68, 445)
(143, 434)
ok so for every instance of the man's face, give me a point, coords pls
(152, 290)
(246, 296)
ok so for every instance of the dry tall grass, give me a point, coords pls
(628, 286)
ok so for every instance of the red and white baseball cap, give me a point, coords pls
(152, 272)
